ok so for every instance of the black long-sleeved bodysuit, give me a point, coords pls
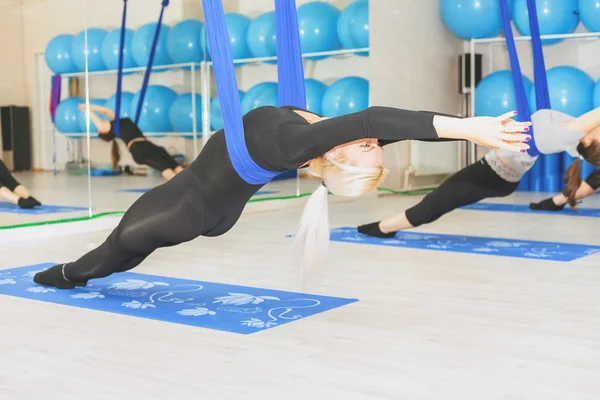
(208, 197)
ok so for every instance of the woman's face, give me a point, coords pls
(363, 153)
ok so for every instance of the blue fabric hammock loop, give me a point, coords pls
(140, 106)
(291, 81)
(120, 71)
(540, 81)
(289, 55)
(138, 113)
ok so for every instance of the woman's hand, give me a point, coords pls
(498, 132)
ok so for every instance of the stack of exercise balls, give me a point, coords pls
(344, 96)
(477, 19)
(572, 91)
(322, 27)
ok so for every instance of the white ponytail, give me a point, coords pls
(311, 240)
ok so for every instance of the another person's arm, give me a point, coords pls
(586, 122)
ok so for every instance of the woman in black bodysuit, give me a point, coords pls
(143, 151)
(12, 191)
(208, 197)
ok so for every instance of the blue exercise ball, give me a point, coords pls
(110, 49)
(237, 29)
(495, 94)
(183, 42)
(81, 120)
(58, 55)
(571, 91)
(555, 17)
(317, 22)
(155, 108)
(473, 19)
(596, 95)
(141, 45)
(67, 113)
(353, 26)
(181, 115)
(126, 99)
(216, 119)
(262, 94)
(589, 12)
(315, 91)
(345, 96)
(95, 37)
(262, 36)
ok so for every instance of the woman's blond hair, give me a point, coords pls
(311, 240)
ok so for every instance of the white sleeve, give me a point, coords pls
(550, 133)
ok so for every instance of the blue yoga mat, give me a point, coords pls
(524, 208)
(259, 193)
(237, 309)
(471, 244)
(44, 209)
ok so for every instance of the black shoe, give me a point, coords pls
(546, 205)
(372, 229)
(55, 277)
(27, 203)
(35, 202)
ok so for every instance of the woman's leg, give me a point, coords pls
(8, 195)
(21, 191)
(7, 178)
(469, 185)
(168, 174)
(169, 214)
(148, 153)
(15, 188)
(558, 202)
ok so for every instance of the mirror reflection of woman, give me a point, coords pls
(143, 151)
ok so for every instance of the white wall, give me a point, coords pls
(414, 65)
(12, 73)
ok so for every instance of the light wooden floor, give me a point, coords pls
(429, 325)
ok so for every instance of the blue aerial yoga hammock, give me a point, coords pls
(291, 80)
(140, 106)
(539, 68)
(289, 55)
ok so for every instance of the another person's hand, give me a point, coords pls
(497, 132)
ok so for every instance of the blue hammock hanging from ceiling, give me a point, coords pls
(290, 73)
(147, 73)
(546, 173)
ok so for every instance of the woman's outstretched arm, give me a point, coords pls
(102, 125)
(586, 122)
(300, 142)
